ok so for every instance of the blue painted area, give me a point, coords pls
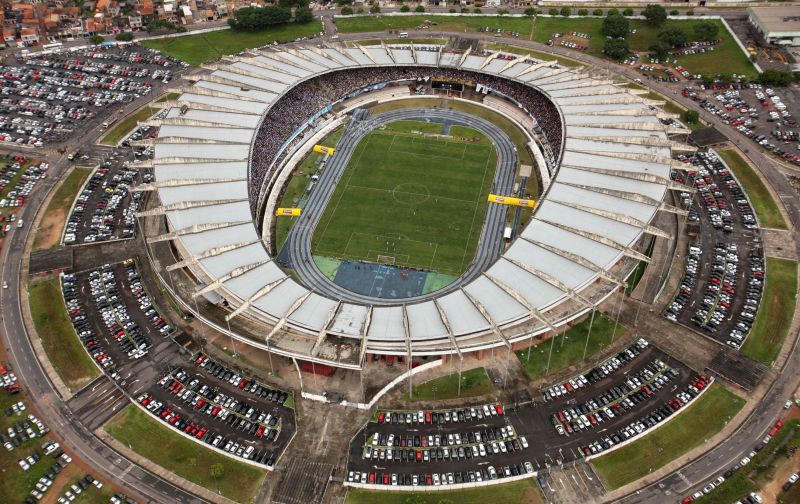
(380, 280)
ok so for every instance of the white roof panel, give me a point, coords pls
(424, 321)
(246, 285)
(177, 171)
(203, 192)
(462, 315)
(501, 307)
(350, 320)
(313, 312)
(278, 301)
(387, 324)
(236, 135)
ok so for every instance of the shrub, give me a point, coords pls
(583, 12)
(375, 9)
(612, 12)
(476, 10)
(405, 8)
(553, 12)
(347, 10)
(96, 39)
(530, 12)
(502, 12)
(673, 12)
(691, 117)
(124, 36)
(690, 12)
(565, 11)
(419, 8)
(627, 12)
(597, 12)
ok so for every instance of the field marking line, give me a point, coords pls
(341, 195)
(414, 193)
(474, 215)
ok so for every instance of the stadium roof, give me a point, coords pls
(614, 174)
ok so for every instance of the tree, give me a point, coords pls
(627, 12)
(616, 48)
(452, 11)
(565, 11)
(530, 12)
(97, 39)
(655, 15)
(360, 10)
(597, 12)
(775, 78)
(690, 12)
(553, 12)
(502, 12)
(673, 12)
(673, 36)
(124, 36)
(706, 31)
(405, 8)
(660, 49)
(375, 9)
(258, 18)
(691, 117)
(615, 26)
(303, 15)
(476, 10)
(419, 8)
(583, 12)
(217, 470)
(612, 12)
(347, 10)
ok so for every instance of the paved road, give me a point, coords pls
(299, 240)
(41, 392)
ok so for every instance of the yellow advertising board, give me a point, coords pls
(324, 150)
(287, 212)
(510, 200)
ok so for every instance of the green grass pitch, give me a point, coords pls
(409, 200)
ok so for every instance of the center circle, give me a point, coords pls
(411, 193)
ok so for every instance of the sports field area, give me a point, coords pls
(409, 199)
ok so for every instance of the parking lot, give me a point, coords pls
(588, 414)
(18, 177)
(758, 112)
(105, 209)
(126, 334)
(721, 288)
(47, 98)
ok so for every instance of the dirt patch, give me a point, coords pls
(772, 490)
(49, 233)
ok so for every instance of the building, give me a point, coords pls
(778, 25)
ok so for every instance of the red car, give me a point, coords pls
(427, 417)
(385, 478)
(372, 478)
(381, 417)
(499, 409)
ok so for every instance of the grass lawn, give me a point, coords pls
(122, 128)
(775, 313)
(735, 60)
(168, 97)
(569, 350)
(474, 382)
(760, 471)
(518, 492)
(197, 49)
(297, 184)
(192, 461)
(398, 198)
(407, 126)
(702, 419)
(49, 231)
(405, 41)
(769, 216)
(521, 25)
(63, 348)
(536, 54)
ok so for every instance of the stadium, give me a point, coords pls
(599, 156)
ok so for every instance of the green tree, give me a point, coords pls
(360, 10)
(706, 31)
(419, 8)
(583, 12)
(597, 12)
(691, 117)
(530, 11)
(502, 12)
(660, 49)
(615, 26)
(616, 48)
(347, 10)
(124, 36)
(673, 36)
(627, 12)
(775, 78)
(97, 39)
(375, 9)
(612, 12)
(565, 11)
(303, 15)
(452, 11)
(690, 12)
(655, 15)
(673, 12)
(476, 10)
(217, 471)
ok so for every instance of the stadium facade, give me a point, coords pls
(226, 145)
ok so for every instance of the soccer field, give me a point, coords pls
(409, 200)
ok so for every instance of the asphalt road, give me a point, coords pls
(41, 392)
(299, 239)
